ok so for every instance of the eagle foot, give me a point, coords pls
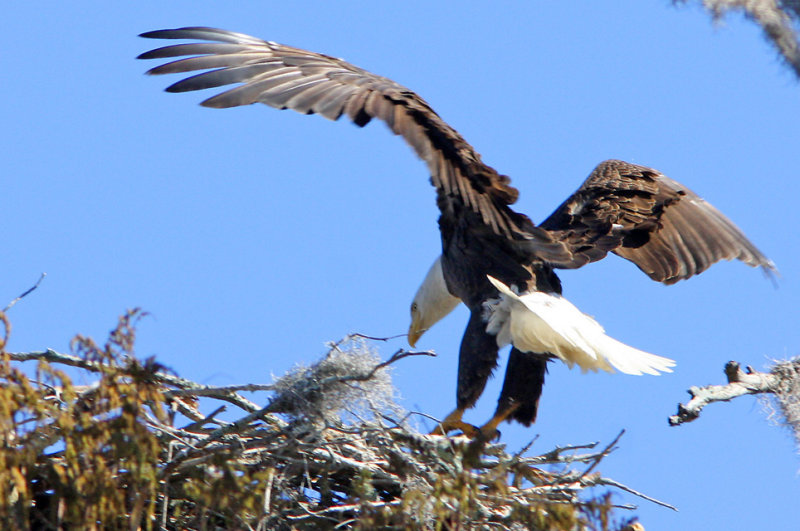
(453, 422)
(446, 427)
(488, 434)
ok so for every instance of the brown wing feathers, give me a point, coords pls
(633, 211)
(286, 77)
(646, 217)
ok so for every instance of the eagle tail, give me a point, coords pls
(630, 360)
(548, 323)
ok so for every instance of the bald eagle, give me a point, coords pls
(494, 260)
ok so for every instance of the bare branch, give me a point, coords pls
(25, 293)
(397, 356)
(740, 383)
(607, 450)
(51, 356)
(218, 392)
(371, 338)
(617, 484)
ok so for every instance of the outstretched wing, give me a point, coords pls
(307, 82)
(646, 217)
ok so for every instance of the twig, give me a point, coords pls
(739, 383)
(343, 508)
(607, 450)
(25, 293)
(400, 354)
(362, 336)
(165, 495)
(554, 455)
(590, 482)
(268, 490)
(218, 392)
(232, 428)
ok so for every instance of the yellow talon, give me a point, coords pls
(453, 422)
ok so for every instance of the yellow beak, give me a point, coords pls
(414, 332)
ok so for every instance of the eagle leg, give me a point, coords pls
(453, 422)
(522, 387)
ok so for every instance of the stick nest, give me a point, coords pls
(141, 448)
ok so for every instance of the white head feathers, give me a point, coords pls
(431, 303)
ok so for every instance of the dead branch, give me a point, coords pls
(25, 293)
(187, 387)
(613, 483)
(747, 382)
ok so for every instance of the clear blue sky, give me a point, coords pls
(254, 236)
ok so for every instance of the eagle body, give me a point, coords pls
(636, 212)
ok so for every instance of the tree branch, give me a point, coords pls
(187, 387)
(747, 382)
(25, 293)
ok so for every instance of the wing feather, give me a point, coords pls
(633, 211)
(638, 213)
(308, 82)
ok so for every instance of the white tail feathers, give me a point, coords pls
(543, 322)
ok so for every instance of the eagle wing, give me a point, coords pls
(642, 215)
(311, 83)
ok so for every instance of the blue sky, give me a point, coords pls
(254, 236)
